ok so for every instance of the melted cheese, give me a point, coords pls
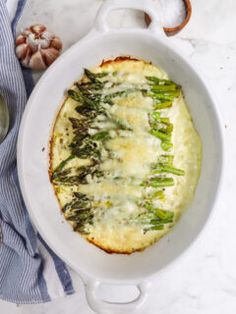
(134, 153)
(135, 156)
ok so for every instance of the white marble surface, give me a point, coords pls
(203, 280)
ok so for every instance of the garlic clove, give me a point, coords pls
(37, 43)
(48, 35)
(21, 51)
(49, 55)
(26, 32)
(31, 42)
(43, 43)
(38, 28)
(56, 43)
(37, 62)
(25, 61)
(20, 39)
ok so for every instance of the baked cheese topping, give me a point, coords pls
(125, 157)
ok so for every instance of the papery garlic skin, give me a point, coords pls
(37, 48)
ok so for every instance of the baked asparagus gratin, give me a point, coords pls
(124, 155)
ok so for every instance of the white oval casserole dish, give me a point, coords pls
(94, 265)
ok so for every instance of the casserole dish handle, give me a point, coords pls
(105, 307)
(146, 6)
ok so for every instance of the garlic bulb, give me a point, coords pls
(37, 48)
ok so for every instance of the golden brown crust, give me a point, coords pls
(51, 142)
(118, 59)
(112, 251)
(50, 154)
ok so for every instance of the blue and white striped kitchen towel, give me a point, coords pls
(29, 271)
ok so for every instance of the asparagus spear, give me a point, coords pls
(87, 149)
(165, 120)
(88, 87)
(164, 88)
(160, 124)
(161, 135)
(62, 164)
(166, 128)
(101, 136)
(84, 215)
(154, 227)
(176, 171)
(166, 160)
(165, 216)
(157, 182)
(156, 80)
(164, 96)
(80, 201)
(165, 164)
(162, 129)
(163, 105)
(61, 176)
(155, 115)
(84, 100)
(79, 211)
(80, 128)
(94, 77)
(155, 218)
(157, 195)
(90, 90)
(75, 95)
(166, 145)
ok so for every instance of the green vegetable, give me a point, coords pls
(94, 77)
(156, 80)
(154, 218)
(75, 95)
(79, 211)
(164, 215)
(61, 166)
(87, 149)
(121, 124)
(80, 127)
(90, 104)
(108, 98)
(164, 88)
(101, 136)
(60, 176)
(165, 165)
(165, 120)
(178, 172)
(158, 182)
(166, 145)
(89, 88)
(163, 105)
(158, 195)
(155, 115)
(161, 135)
(166, 127)
(80, 201)
(166, 160)
(81, 216)
(155, 227)
(164, 96)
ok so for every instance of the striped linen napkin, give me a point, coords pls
(29, 271)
